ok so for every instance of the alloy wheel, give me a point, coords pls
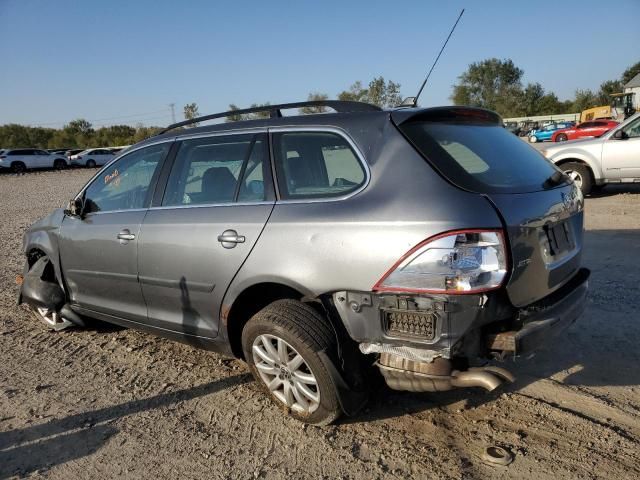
(286, 373)
(576, 177)
(52, 318)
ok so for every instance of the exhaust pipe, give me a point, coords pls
(437, 376)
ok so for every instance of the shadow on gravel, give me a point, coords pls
(599, 350)
(26, 450)
(615, 189)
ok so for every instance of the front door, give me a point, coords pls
(621, 157)
(99, 252)
(216, 203)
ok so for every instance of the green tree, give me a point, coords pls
(630, 72)
(606, 89)
(379, 92)
(248, 116)
(492, 83)
(528, 103)
(191, 112)
(584, 99)
(315, 97)
(80, 126)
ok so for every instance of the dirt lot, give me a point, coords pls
(109, 402)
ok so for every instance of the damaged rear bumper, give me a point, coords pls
(427, 343)
(540, 322)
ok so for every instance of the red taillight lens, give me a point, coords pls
(458, 262)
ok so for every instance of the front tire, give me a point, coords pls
(282, 345)
(59, 164)
(52, 319)
(561, 137)
(91, 163)
(533, 139)
(18, 167)
(580, 174)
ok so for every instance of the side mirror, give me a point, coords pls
(74, 208)
(620, 135)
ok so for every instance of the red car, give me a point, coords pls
(594, 128)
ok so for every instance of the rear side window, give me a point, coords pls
(218, 170)
(316, 165)
(481, 157)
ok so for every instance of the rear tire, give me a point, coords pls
(533, 139)
(580, 174)
(281, 344)
(59, 164)
(91, 163)
(561, 137)
(18, 167)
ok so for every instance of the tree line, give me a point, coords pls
(80, 133)
(497, 85)
(492, 83)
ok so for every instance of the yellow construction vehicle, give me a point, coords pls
(621, 108)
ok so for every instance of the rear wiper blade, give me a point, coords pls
(558, 178)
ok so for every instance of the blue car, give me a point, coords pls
(546, 132)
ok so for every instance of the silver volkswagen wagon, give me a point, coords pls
(424, 244)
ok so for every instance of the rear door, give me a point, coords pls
(99, 252)
(217, 200)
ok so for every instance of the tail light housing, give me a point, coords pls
(456, 262)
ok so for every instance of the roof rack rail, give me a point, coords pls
(274, 111)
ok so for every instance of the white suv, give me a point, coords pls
(20, 160)
(614, 157)
(92, 157)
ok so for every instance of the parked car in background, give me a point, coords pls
(614, 157)
(301, 245)
(582, 130)
(22, 159)
(545, 133)
(73, 151)
(526, 127)
(512, 127)
(92, 157)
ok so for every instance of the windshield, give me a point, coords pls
(482, 158)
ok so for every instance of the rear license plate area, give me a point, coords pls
(559, 237)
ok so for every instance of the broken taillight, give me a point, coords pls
(457, 262)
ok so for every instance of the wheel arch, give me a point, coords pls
(39, 244)
(596, 172)
(237, 311)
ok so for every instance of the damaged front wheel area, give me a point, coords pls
(43, 296)
(51, 318)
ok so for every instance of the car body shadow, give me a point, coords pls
(26, 450)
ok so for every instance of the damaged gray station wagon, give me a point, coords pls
(323, 248)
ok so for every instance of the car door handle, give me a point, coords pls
(230, 238)
(125, 235)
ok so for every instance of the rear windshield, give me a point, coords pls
(482, 158)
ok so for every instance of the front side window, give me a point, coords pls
(316, 165)
(125, 185)
(218, 170)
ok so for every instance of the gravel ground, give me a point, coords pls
(108, 402)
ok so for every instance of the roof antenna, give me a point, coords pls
(413, 101)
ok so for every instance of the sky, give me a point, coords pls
(125, 61)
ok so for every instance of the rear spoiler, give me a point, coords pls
(466, 115)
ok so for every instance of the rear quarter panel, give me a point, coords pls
(321, 247)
